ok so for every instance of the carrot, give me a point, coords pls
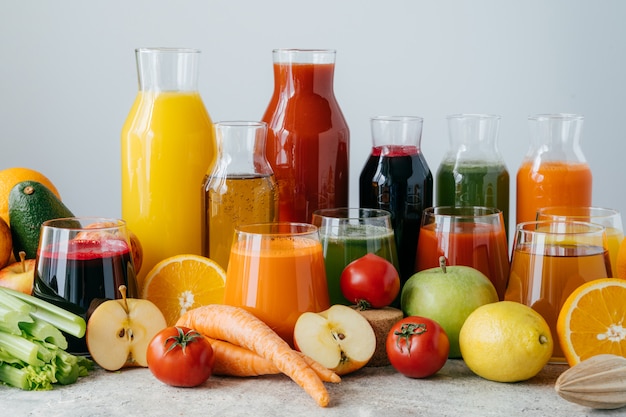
(238, 326)
(233, 360)
(323, 372)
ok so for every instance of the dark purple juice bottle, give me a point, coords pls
(397, 178)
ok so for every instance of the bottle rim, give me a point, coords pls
(481, 116)
(304, 56)
(167, 50)
(556, 116)
(397, 118)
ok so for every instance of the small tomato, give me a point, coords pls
(180, 357)
(417, 347)
(370, 282)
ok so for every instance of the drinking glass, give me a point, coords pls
(609, 218)
(350, 233)
(470, 236)
(82, 261)
(550, 260)
(276, 271)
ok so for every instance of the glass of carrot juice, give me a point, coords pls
(470, 236)
(550, 260)
(276, 271)
(609, 218)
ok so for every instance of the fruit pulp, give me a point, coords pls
(232, 201)
(307, 141)
(397, 179)
(551, 184)
(167, 149)
(479, 245)
(80, 275)
(277, 281)
(473, 184)
(543, 280)
(350, 243)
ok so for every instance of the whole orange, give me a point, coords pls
(9, 177)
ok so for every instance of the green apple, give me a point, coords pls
(447, 294)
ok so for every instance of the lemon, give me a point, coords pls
(505, 342)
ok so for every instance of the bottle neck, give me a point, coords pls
(167, 69)
(556, 137)
(473, 137)
(396, 135)
(309, 71)
(241, 149)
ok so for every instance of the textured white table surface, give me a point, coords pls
(454, 391)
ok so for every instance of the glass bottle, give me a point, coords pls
(472, 171)
(167, 146)
(308, 137)
(554, 171)
(240, 189)
(397, 178)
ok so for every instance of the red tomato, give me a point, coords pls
(370, 281)
(417, 346)
(180, 356)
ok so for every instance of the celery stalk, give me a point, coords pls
(10, 319)
(16, 377)
(44, 331)
(13, 303)
(20, 348)
(60, 318)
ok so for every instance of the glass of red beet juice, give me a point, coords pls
(82, 261)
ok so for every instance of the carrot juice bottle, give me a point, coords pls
(168, 146)
(554, 172)
(308, 137)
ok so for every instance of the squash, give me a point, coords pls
(598, 382)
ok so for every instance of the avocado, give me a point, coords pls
(30, 204)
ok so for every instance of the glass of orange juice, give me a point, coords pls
(276, 272)
(609, 218)
(550, 260)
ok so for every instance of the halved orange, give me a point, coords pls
(593, 320)
(183, 282)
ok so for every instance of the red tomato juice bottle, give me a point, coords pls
(308, 138)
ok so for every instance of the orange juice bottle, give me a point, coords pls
(554, 172)
(168, 146)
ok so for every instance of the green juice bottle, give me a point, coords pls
(473, 172)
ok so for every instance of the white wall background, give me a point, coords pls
(68, 78)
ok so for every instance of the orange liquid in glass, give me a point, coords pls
(479, 245)
(559, 271)
(278, 281)
(552, 184)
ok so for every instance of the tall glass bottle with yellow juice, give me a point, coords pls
(168, 146)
